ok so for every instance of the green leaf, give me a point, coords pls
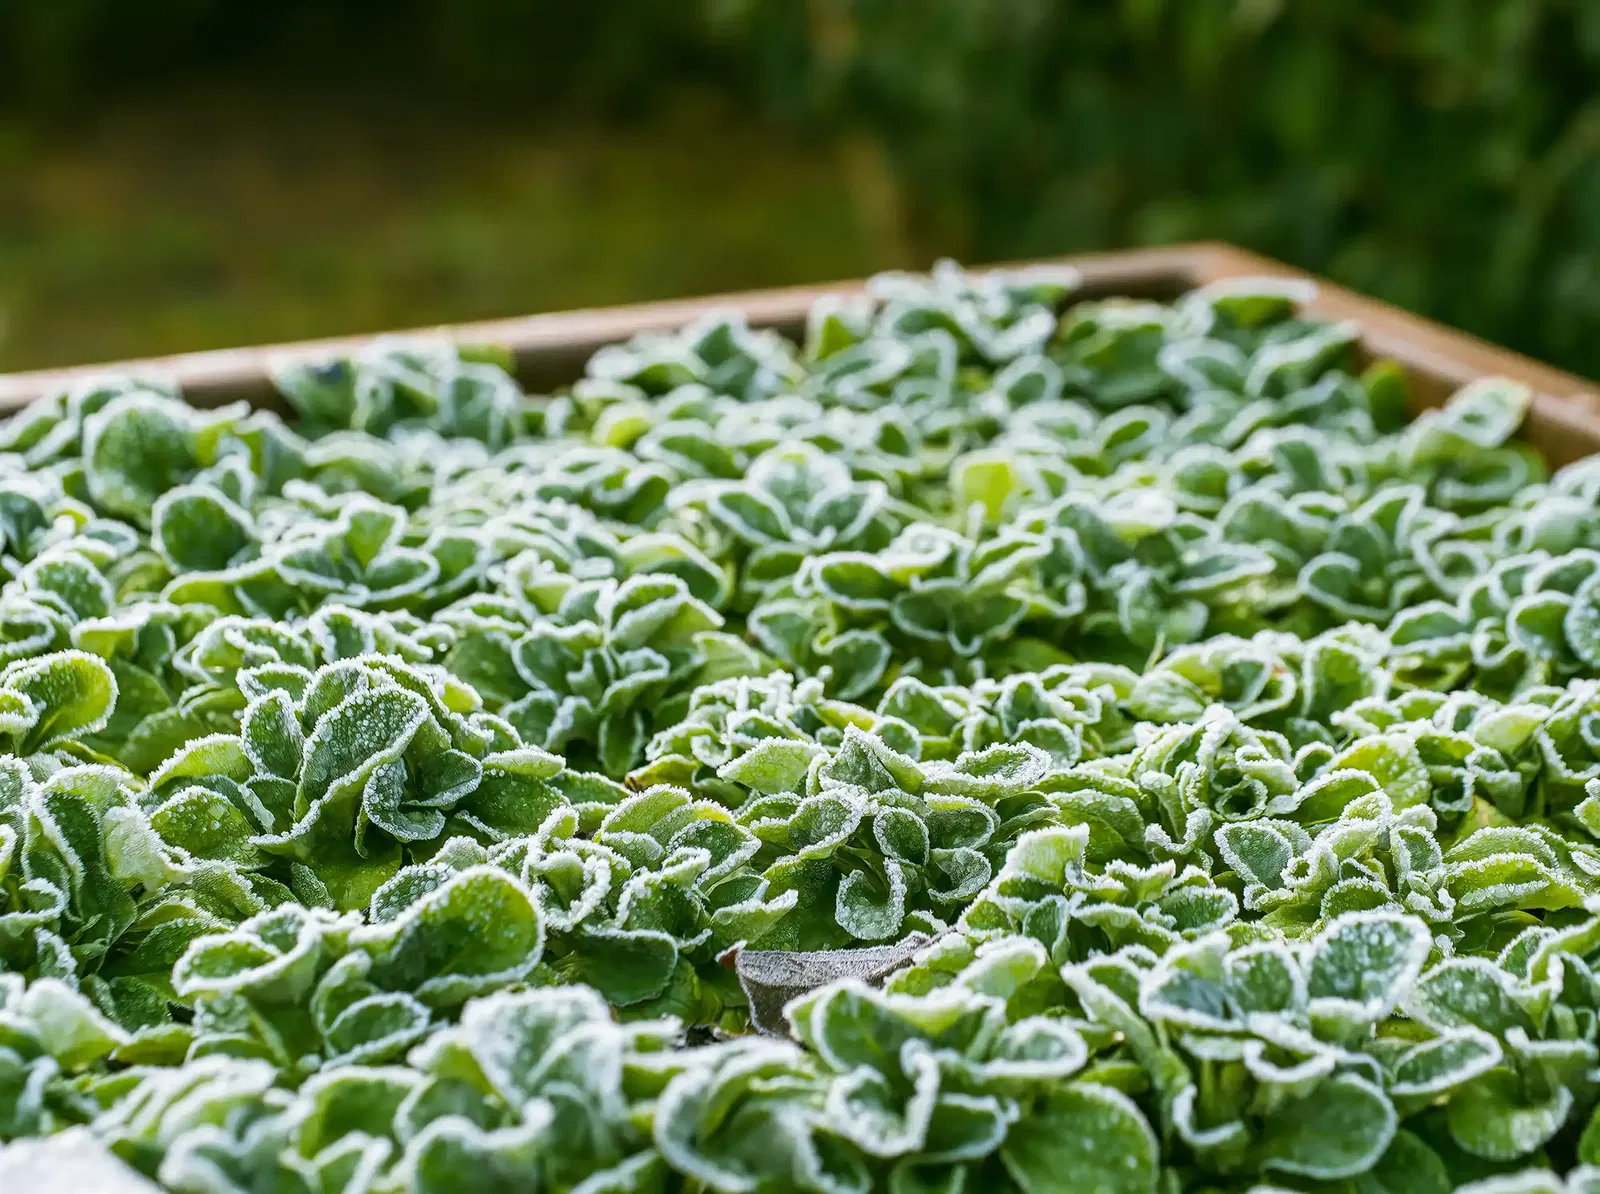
(197, 529)
(1370, 959)
(135, 449)
(1433, 1067)
(480, 931)
(1087, 1138)
(1340, 1131)
(1492, 1118)
(69, 694)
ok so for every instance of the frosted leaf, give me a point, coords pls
(1086, 1137)
(1370, 959)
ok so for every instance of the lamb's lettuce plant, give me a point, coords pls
(457, 788)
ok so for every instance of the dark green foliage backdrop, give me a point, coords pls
(1444, 154)
(57, 55)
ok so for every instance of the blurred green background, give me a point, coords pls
(182, 174)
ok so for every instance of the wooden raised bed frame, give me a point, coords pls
(549, 350)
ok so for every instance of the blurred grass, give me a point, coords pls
(1441, 154)
(214, 216)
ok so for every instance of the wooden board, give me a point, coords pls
(550, 350)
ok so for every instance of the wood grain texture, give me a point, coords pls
(550, 350)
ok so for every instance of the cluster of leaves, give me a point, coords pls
(391, 797)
